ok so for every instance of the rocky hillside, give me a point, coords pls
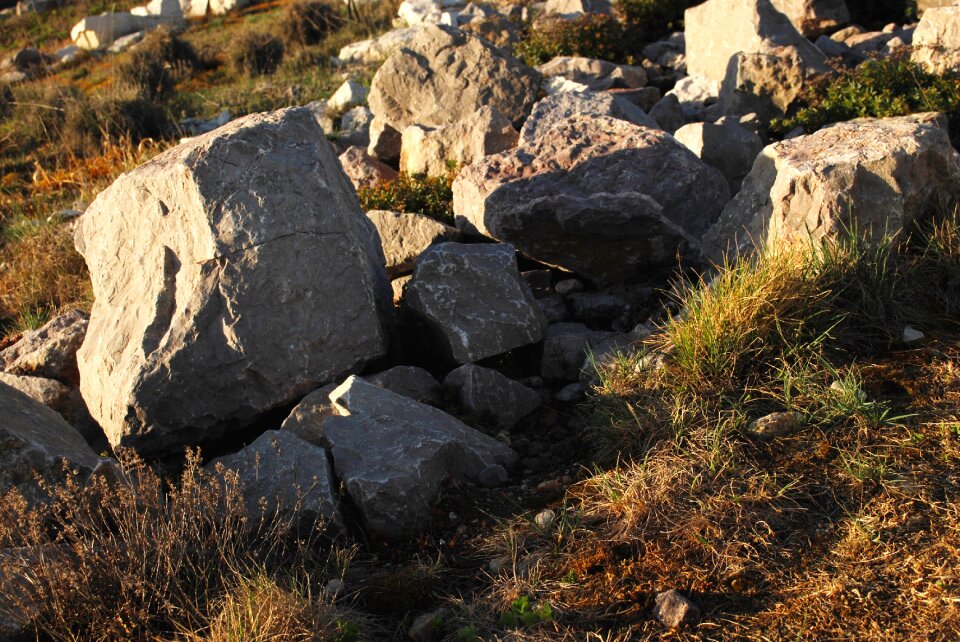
(437, 321)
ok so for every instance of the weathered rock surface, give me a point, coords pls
(232, 274)
(394, 454)
(384, 141)
(49, 351)
(97, 32)
(283, 476)
(675, 610)
(556, 109)
(593, 195)
(306, 418)
(936, 42)
(727, 145)
(363, 170)
(766, 84)
(565, 348)
(349, 94)
(426, 150)
(597, 75)
(49, 392)
(377, 49)
(876, 175)
(34, 440)
(814, 17)
(405, 236)
(487, 393)
(718, 29)
(474, 301)
(444, 75)
(408, 381)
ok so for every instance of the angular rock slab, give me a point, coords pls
(232, 274)
(50, 351)
(429, 151)
(405, 236)
(363, 170)
(485, 392)
(394, 455)
(719, 29)
(444, 75)
(35, 440)
(871, 175)
(555, 109)
(473, 299)
(598, 196)
(283, 476)
(936, 42)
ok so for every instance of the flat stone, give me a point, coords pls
(487, 393)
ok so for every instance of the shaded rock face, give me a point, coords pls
(49, 351)
(594, 195)
(728, 146)
(473, 299)
(363, 170)
(284, 476)
(872, 175)
(35, 440)
(232, 274)
(444, 75)
(429, 151)
(553, 110)
(936, 42)
(719, 29)
(405, 236)
(766, 84)
(394, 454)
(487, 393)
(814, 17)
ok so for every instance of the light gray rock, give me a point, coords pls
(673, 610)
(444, 75)
(232, 275)
(814, 17)
(598, 196)
(349, 94)
(766, 84)
(573, 8)
(924, 5)
(487, 393)
(728, 146)
(408, 381)
(405, 236)
(474, 301)
(35, 440)
(50, 351)
(876, 175)
(565, 347)
(283, 476)
(355, 127)
(363, 170)
(936, 42)
(426, 150)
(394, 455)
(597, 75)
(376, 50)
(49, 392)
(98, 32)
(719, 29)
(556, 109)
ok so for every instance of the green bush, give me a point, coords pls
(257, 53)
(877, 88)
(307, 22)
(591, 35)
(432, 196)
(158, 64)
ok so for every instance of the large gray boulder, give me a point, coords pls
(283, 476)
(232, 275)
(394, 455)
(36, 441)
(429, 150)
(873, 176)
(814, 17)
(474, 301)
(594, 195)
(936, 42)
(486, 393)
(558, 108)
(50, 351)
(405, 236)
(719, 29)
(766, 84)
(444, 75)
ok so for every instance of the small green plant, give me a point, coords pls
(877, 88)
(591, 35)
(467, 633)
(522, 614)
(431, 196)
(257, 53)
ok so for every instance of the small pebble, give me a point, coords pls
(673, 610)
(545, 519)
(911, 334)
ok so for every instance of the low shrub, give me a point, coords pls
(432, 196)
(307, 22)
(876, 88)
(155, 67)
(591, 35)
(257, 53)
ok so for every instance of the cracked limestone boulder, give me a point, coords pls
(394, 455)
(232, 275)
(874, 176)
(444, 75)
(602, 197)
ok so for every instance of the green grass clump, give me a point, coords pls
(877, 88)
(158, 63)
(257, 53)
(590, 35)
(428, 195)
